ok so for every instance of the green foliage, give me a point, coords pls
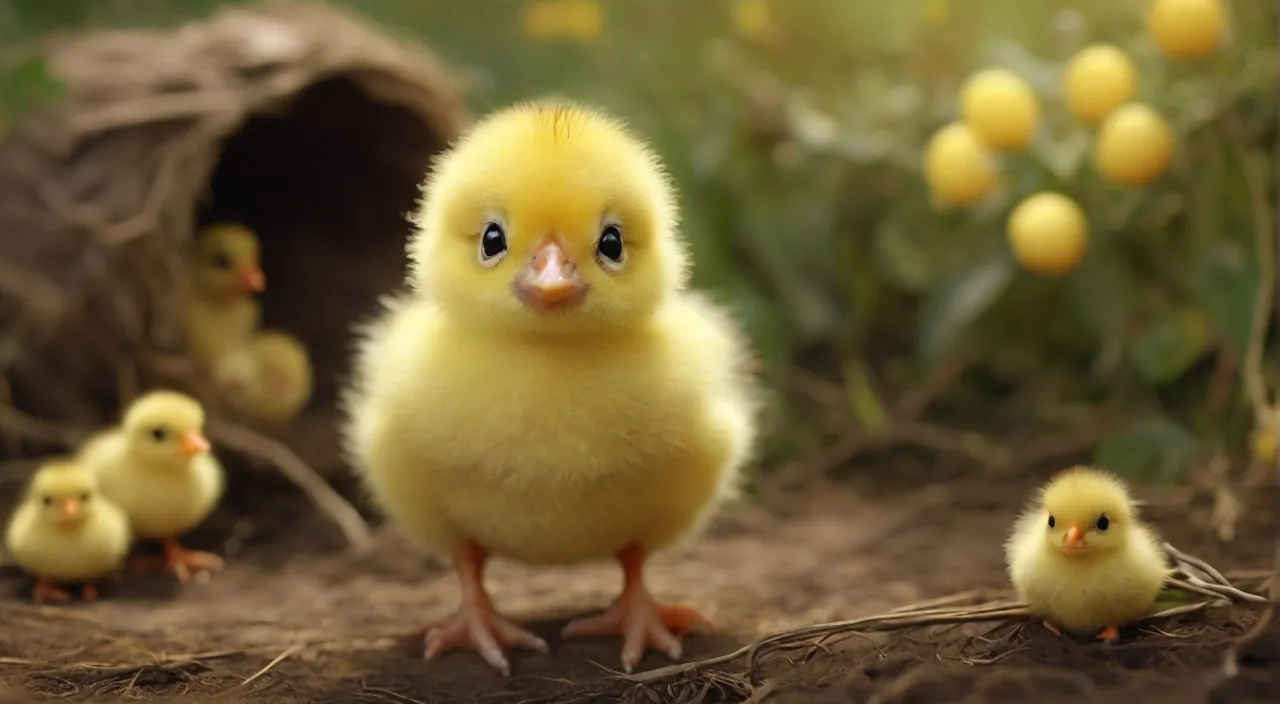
(798, 149)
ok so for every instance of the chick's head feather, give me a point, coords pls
(63, 492)
(1087, 511)
(225, 262)
(549, 217)
(165, 428)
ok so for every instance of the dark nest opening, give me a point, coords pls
(294, 119)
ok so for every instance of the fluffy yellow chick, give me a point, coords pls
(157, 467)
(269, 377)
(550, 392)
(1081, 558)
(65, 531)
(224, 274)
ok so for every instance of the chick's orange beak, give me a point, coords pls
(251, 278)
(69, 509)
(1075, 538)
(193, 443)
(551, 279)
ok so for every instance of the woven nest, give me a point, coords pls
(308, 126)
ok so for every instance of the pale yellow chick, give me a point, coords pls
(66, 531)
(158, 467)
(1081, 558)
(223, 275)
(550, 392)
(268, 377)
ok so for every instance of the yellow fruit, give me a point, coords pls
(957, 166)
(1186, 29)
(1097, 80)
(1134, 145)
(1001, 107)
(1048, 233)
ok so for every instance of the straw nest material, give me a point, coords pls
(305, 124)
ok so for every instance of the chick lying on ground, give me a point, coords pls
(1081, 558)
(223, 276)
(158, 468)
(550, 392)
(268, 377)
(66, 531)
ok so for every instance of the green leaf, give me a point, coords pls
(29, 85)
(951, 308)
(1157, 450)
(1226, 279)
(1101, 290)
(1168, 347)
(900, 256)
(866, 406)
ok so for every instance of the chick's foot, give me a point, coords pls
(1051, 628)
(476, 625)
(45, 592)
(1109, 634)
(642, 622)
(182, 562)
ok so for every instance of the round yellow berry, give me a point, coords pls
(1048, 233)
(1186, 29)
(1097, 80)
(957, 166)
(1134, 145)
(1000, 107)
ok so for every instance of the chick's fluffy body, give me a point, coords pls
(554, 437)
(1115, 582)
(217, 317)
(163, 492)
(85, 551)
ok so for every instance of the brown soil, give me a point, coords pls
(344, 621)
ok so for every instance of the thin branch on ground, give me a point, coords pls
(267, 668)
(939, 612)
(326, 499)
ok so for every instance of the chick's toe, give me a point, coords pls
(181, 561)
(45, 592)
(1110, 633)
(641, 621)
(476, 625)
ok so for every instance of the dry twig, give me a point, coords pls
(330, 502)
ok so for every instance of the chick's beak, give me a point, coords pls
(551, 279)
(69, 509)
(1075, 538)
(193, 443)
(251, 278)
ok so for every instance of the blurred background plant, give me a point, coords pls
(797, 129)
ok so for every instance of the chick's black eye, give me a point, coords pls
(221, 261)
(609, 247)
(84, 497)
(1103, 523)
(48, 501)
(493, 244)
(159, 434)
(1052, 522)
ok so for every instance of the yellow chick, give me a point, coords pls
(550, 392)
(158, 467)
(65, 531)
(268, 378)
(224, 274)
(1080, 557)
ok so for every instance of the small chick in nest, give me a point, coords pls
(64, 530)
(551, 392)
(223, 275)
(267, 378)
(158, 467)
(1080, 557)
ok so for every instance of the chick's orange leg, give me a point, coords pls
(476, 625)
(641, 621)
(1052, 628)
(1109, 633)
(181, 561)
(46, 592)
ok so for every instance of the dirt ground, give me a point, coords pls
(341, 623)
